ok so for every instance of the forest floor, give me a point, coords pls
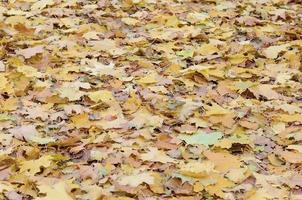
(150, 99)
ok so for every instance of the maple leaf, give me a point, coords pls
(34, 166)
(56, 191)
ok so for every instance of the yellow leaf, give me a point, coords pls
(71, 93)
(274, 160)
(32, 167)
(157, 186)
(14, 20)
(295, 147)
(155, 155)
(91, 35)
(173, 69)
(144, 118)
(237, 175)
(149, 79)
(130, 21)
(290, 118)
(6, 186)
(197, 169)
(273, 51)
(3, 82)
(81, 120)
(292, 157)
(237, 58)
(197, 68)
(39, 5)
(132, 104)
(217, 188)
(216, 109)
(223, 161)
(57, 191)
(207, 49)
(101, 95)
(136, 179)
(108, 45)
(260, 194)
(198, 187)
(29, 71)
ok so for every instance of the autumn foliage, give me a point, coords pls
(150, 99)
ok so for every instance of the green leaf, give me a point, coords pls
(5, 117)
(187, 53)
(205, 139)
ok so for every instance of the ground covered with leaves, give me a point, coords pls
(150, 99)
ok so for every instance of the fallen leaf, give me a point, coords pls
(57, 191)
(81, 120)
(40, 4)
(205, 139)
(2, 66)
(32, 167)
(273, 51)
(101, 95)
(136, 179)
(223, 161)
(197, 169)
(27, 132)
(30, 52)
(155, 155)
(130, 21)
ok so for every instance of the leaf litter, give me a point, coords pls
(150, 99)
